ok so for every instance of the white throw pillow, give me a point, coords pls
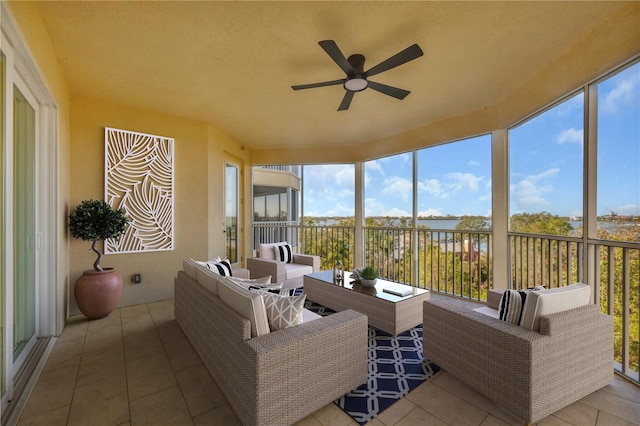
(222, 267)
(267, 251)
(283, 311)
(254, 281)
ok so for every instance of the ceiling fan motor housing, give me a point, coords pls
(356, 82)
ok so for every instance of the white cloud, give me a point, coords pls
(373, 166)
(398, 187)
(625, 91)
(395, 212)
(528, 193)
(473, 163)
(461, 181)
(430, 212)
(628, 210)
(432, 187)
(569, 136)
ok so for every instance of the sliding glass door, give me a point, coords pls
(24, 265)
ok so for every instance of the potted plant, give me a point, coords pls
(97, 290)
(368, 276)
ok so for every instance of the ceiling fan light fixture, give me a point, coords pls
(356, 84)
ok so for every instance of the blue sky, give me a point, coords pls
(546, 162)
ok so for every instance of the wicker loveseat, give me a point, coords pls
(275, 378)
(530, 374)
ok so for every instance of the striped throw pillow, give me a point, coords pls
(285, 253)
(221, 268)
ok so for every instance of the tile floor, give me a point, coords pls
(137, 367)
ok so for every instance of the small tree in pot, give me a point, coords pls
(98, 290)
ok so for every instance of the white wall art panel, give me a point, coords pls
(139, 179)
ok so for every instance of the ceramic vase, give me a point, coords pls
(97, 293)
(368, 283)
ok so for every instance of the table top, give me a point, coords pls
(377, 291)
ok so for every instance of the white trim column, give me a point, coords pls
(358, 238)
(500, 207)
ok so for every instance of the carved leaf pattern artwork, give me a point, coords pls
(139, 179)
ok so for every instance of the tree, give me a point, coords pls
(473, 223)
(540, 223)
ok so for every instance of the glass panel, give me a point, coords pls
(454, 185)
(618, 202)
(24, 223)
(546, 171)
(388, 188)
(231, 212)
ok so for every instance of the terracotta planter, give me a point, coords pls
(98, 293)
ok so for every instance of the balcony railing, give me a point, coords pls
(459, 263)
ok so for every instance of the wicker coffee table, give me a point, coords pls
(387, 312)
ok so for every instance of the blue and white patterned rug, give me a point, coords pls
(396, 365)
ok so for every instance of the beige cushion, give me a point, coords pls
(248, 304)
(208, 279)
(250, 281)
(190, 267)
(266, 251)
(295, 270)
(545, 302)
(283, 311)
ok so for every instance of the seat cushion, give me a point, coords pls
(295, 270)
(208, 279)
(247, 303)
(545, 302)
(190, 267)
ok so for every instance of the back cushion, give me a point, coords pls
(191, 267)
(545, 302)
(268, 251)
(247, 303)
(208, 279)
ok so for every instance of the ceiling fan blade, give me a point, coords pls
(322, 84)
(409, 54)
(334, 52)
(346, 101)
(389, 90)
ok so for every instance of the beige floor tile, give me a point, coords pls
(181, 354)
(614, 405)
(578, 414)
(130, 312)
(493, 421)
(199, 390)
(104, 339)
(606, 419)
(219, 416)
(166, 407)
(373, 422)
(111, 320)
(420, 417)
(452, 385)
(170, 331)
(55, 417)
(308, 421)
(396, 412)
(75, 328)
(332, 415)
(101, 365)
(553, 421)
(446, 406)
(143, 344)
(65, 354)
(624, 388)
(161, 311)
(137, 324)
(149, 375)
(107, 397)
(54, 389)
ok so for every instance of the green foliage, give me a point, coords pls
(369, 273)
(95, 220)
(473, 223)
(540, 223)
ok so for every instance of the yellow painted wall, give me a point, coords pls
(197, 186)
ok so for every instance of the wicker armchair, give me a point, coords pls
(527, 373)
(290, 274)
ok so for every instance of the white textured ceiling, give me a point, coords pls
(231, 64)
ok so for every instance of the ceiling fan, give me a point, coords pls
(357, 78)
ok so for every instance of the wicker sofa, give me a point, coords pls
(275, 378)
(529, 374)
(290, 274)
